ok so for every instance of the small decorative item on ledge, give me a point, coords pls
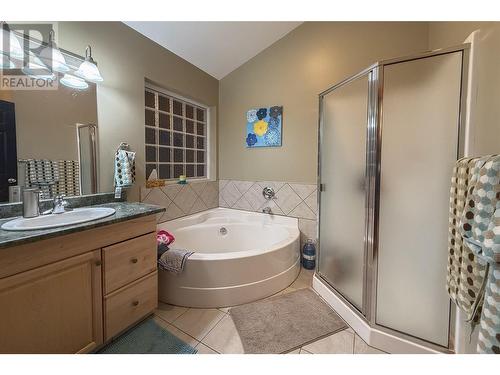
(154, 183)
(153, 180)
(182, 179)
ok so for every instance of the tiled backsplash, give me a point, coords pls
(182, 200)
(292, 199)
(295, 200)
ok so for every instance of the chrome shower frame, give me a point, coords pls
(92, 138)
(375, 75)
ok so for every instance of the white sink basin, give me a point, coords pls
(78, 215)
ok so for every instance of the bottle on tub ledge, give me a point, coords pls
(182, 180)
(309, 255)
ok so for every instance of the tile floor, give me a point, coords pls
(212, 331)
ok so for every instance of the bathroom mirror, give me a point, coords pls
(50, 137)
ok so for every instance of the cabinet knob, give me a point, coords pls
(135, 303)
(98, 263)
(133, 260)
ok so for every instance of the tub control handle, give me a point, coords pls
(133, 260)
(268, 193)
(135, 303)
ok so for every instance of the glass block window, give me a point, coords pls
(175, 135)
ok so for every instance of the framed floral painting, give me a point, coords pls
(264, 127)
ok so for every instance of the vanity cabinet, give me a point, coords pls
(73, 293)
(56, 308)
(130, 282)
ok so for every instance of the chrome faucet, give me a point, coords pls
(60, 205)
(267, 210)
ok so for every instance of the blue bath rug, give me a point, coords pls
(148, 337)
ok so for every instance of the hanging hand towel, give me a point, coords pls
(124, 168)
(466, 272)
(480, 227)
(42, 174)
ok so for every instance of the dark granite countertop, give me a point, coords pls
(124, 211)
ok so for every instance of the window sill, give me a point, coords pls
(189, 181)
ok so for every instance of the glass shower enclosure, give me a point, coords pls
(388, 139)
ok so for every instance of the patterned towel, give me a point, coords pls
(53, 177)
(466, 272)
(124, 168)
(173, 260)
(481, 231)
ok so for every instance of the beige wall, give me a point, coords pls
(46, 121)
(292, 72)
(125, 59)
(485, 120)
(443, 34)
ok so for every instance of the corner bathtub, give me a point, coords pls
(257, 257)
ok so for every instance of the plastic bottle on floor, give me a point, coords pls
(309, 255)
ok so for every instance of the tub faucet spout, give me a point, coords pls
(267, 210)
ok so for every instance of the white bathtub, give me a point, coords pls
(258, 257)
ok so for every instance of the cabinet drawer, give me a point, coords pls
(128, 261)
(129, 304)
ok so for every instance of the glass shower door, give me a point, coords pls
(342, 168)
(419, 147)
(389, 138)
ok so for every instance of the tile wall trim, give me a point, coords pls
(292, 199)
(182, 200)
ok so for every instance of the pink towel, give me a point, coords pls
(164, 238)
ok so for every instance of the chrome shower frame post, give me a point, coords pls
(372, 186)
(92, 137)
(375, 74)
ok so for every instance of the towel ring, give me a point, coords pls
(123, 146)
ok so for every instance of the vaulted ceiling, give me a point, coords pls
(217, 48)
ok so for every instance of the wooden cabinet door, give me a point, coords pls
(56, 308)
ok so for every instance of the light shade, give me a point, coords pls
(54, 57)
(51, 56)
(37, 69)
(88, 69)
(14, 49)
(70, 80)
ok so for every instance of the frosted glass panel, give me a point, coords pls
(419, 149)
(342, 214)
(86, 143)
